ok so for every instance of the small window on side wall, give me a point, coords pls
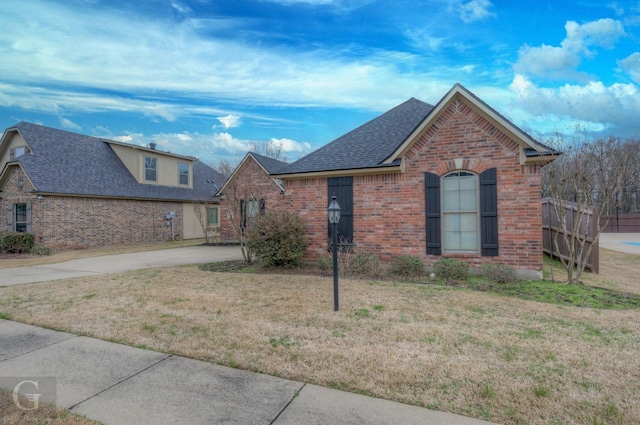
(21, 217)
(183, 174)
(212, 216)
(150, 169)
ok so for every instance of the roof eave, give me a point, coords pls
(387, 169)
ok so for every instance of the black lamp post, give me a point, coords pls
(334, 217)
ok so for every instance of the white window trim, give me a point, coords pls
(443, 213)
(218, 216)
(181, 174)
(144, 164)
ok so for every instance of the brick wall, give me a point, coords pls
(63, 222)
(250, 181)
(389, 209)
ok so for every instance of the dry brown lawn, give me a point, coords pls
(10, 414)
(476, 354)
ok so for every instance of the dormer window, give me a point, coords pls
(150, 169)
(17, 152)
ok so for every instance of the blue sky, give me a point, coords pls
(208, 77)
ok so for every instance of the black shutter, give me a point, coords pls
(243, 215)
(342, 188)
(28, 217)
(489, 212)
(432, 212)
(11, 213)
(262, 207)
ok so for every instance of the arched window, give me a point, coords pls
(460, 220)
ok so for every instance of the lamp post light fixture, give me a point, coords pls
(333, 213)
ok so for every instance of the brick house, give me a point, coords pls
(252, 184)
(77, 191)
(452, 180)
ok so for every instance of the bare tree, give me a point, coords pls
(242, 202)
(268, 148)
(225, 167)
(210, 232)
(585, 180)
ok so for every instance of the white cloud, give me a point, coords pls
(423, 39)
(631, 64)
(209, 148)
(563, 61)
(230, 121)
(614, 107)
(67, 123)
(475, 10)
(288, 145)
(160, 64)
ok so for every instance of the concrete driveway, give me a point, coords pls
(118, 263)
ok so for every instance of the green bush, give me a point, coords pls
(16, 242)
(41, 250)
(364, 265)
(451, 269)
(325, 263)
(500, 273)
(407, 267)
(278, 238)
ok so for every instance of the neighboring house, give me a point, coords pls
(452, 180)
(77, 191)
(249, 191)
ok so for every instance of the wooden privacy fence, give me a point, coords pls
(622, 223)
(551, 229)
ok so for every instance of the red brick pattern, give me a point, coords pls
(389, 217)
(253, 179)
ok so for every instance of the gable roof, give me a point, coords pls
(380, 144)
(269, 165)
(66, 163)
(530, 148)
(369, 145)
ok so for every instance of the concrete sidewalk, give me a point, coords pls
(117, 384)
(118, 263)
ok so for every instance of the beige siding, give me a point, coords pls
(15, 140)
(166, 165)
(192, 228)
(129, 158)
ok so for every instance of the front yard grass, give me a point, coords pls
(11, 414)
(454, 349)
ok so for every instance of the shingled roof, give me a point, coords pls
(368, 145)
(66, 163)
(271, 165)
(381, 142)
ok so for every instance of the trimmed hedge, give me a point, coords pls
(16, 242)
(278, 239)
